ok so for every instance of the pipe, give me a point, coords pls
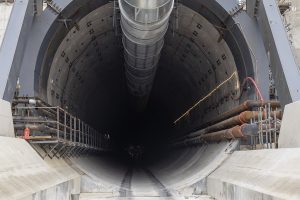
(144, 24)
(227, 134)
(25, 101)
(255, 86)
(25, 118)
(247, 105)
(234, 132)
(240, 119)
(30, 100)
(36, 127)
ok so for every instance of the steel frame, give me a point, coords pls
(284, 69)
(65, 133)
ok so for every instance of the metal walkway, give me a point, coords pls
(54, 132)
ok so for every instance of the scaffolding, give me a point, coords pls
(54, 132)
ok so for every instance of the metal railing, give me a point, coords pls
(55, 128)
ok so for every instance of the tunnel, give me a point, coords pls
(80, 67)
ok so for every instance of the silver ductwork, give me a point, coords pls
(144, 24)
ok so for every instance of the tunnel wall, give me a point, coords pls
(236, 29)
(49, 36)
(188, 166)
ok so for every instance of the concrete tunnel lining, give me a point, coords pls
(76, 66)
(178, 75)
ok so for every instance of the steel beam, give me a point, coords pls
(254, 42)
(283, 65)
(13, 46)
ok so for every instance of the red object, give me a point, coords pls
(256, 87)
(26, 133)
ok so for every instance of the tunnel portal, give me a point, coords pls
(158, 94)
(84, 71)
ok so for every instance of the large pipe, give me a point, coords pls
(227, 134)
(144, 24)
(246, 106)
(242, 118)
(30, 100)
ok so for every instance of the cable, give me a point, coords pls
(255, 85)
(205, 97)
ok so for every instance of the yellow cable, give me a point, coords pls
(204, 98)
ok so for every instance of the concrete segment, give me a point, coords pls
(6, 121)
(258, 174)
(58, 192)
(190, 165)
(24, 173)
(289, 136)
(103, 177)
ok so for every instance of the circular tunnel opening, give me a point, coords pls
(85, 75)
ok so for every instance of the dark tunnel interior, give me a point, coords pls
(86, 76)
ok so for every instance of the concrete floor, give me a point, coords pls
(89, 196)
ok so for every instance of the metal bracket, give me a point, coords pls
(54, 6)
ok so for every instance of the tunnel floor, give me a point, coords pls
(169, 176)
(140, 183)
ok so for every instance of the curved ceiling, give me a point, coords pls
(196, 59)
(87, 73)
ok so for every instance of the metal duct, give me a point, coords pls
(144, 24)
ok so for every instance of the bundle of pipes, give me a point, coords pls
(144, 24)
(227, 134)
(37, 115)
(28, 101)
(34, 127)
(242, 118)
(231, 124)
(248, 105)
(38, 106)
